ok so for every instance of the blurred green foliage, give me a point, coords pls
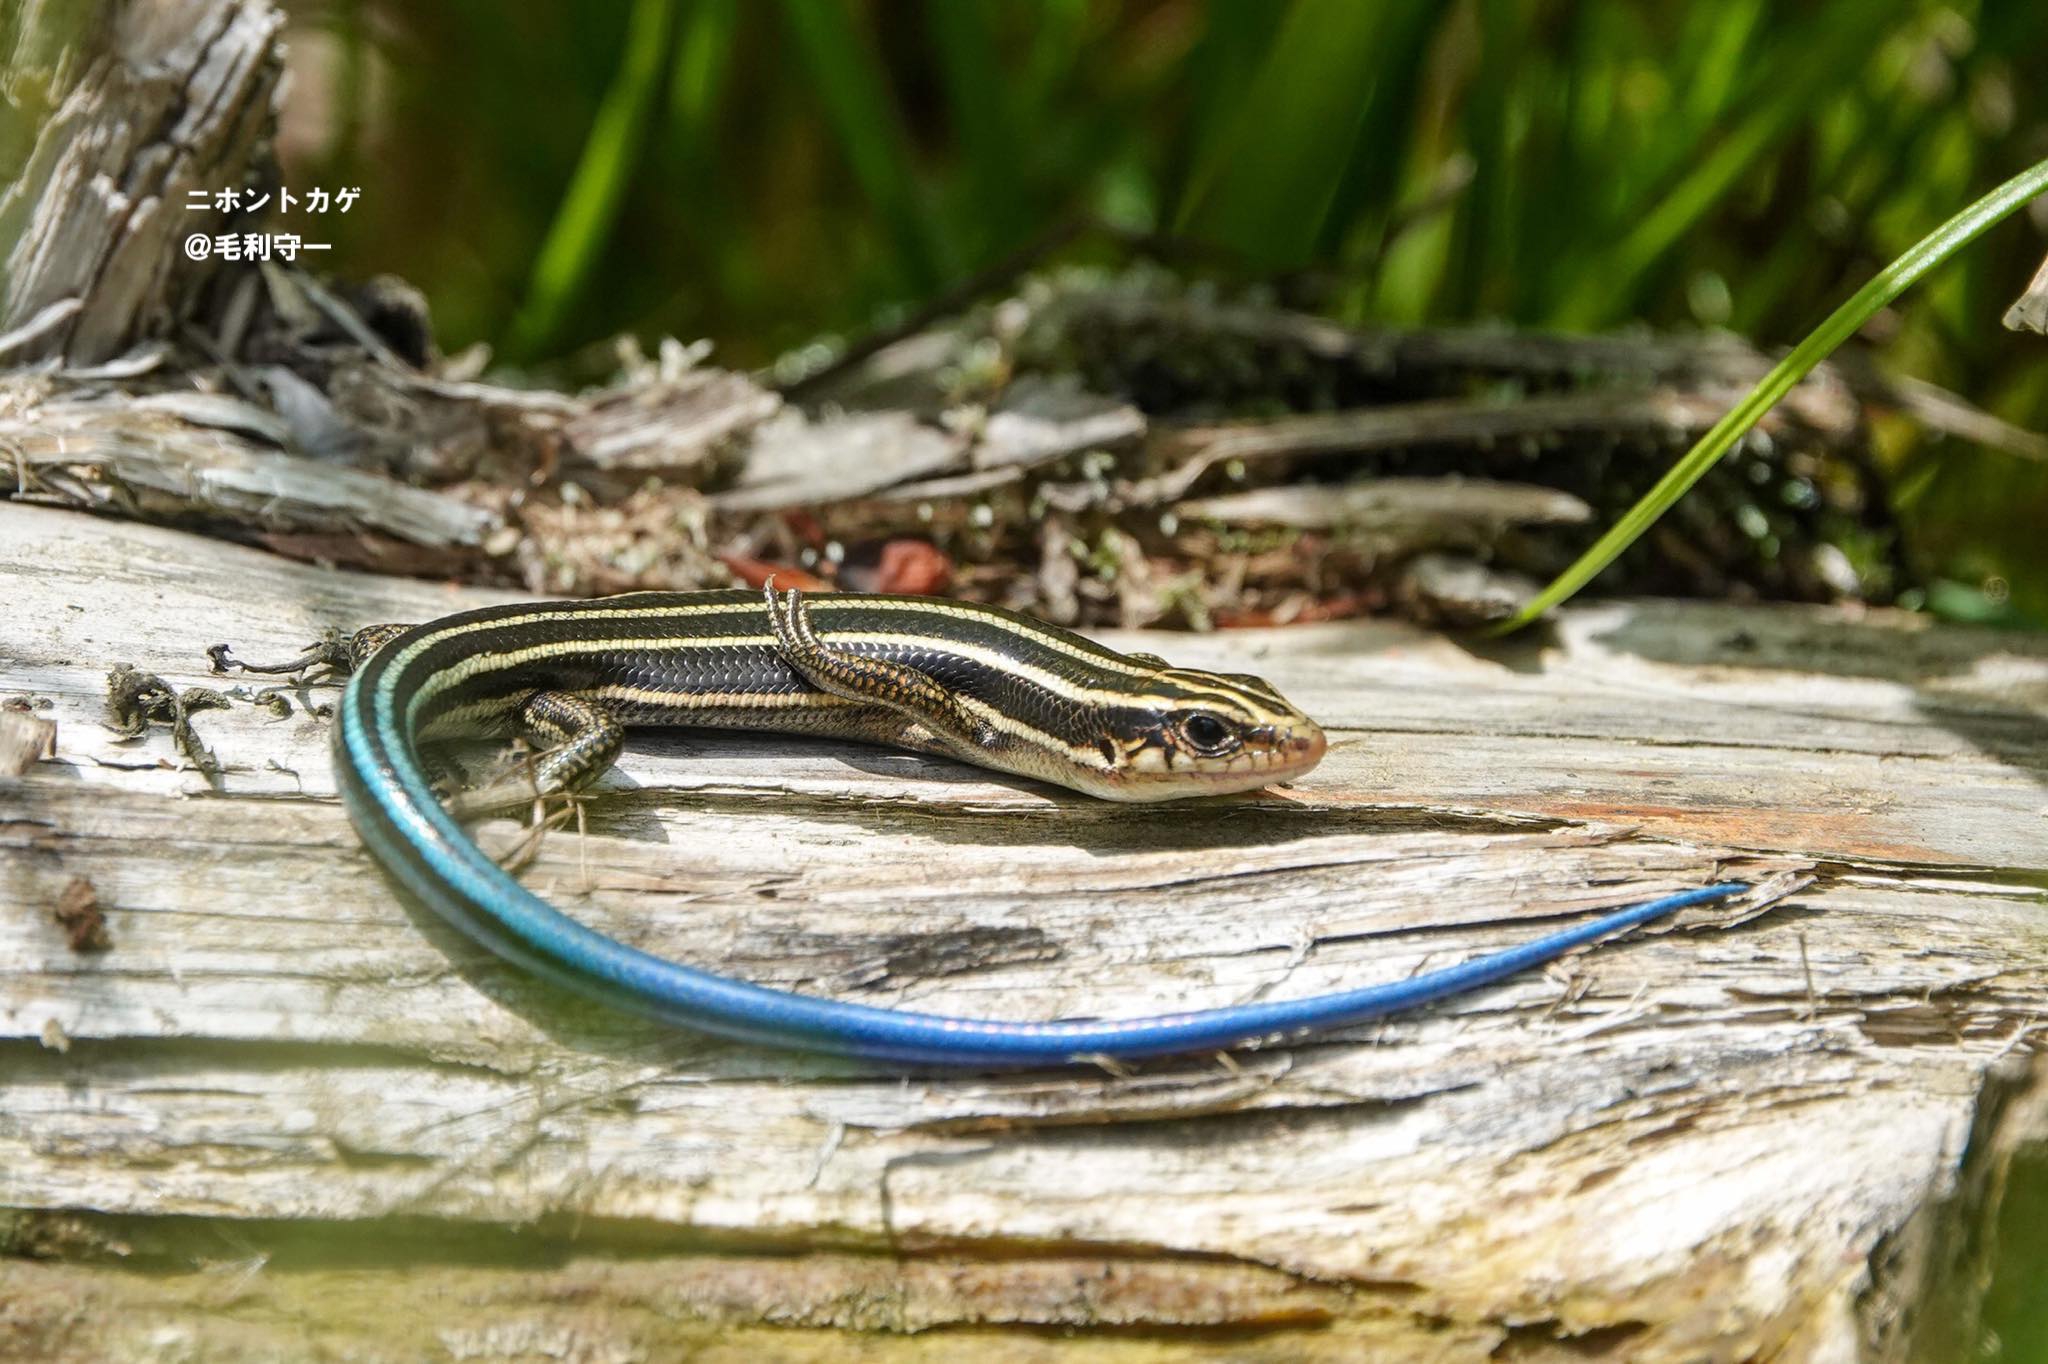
(761, 173)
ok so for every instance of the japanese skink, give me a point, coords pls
(975, 683)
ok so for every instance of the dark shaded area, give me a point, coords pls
(2016, 1307)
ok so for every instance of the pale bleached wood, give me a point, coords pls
(181, 457)
(153, 100)
(1690, 1146)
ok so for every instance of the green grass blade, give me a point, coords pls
(851, 85)
(583, 221)
(1263, 184)
(1372, 179)
(1842, 41)
(967, 46)
(1483, 250)
(352, 39)
(1235, 36)
(1722, 39)
(1888, 284)
(697, 78)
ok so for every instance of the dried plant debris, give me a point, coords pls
(210, 459)
(136, 700)
(1100, 448)
(1243, 400)
(1455, 591)
(2029, 312)
(78, 913)
(274, 700)
(656, 537)
(25, 737)
(671, 417)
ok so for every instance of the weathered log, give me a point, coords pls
(1722, 1141)
(248, 1101)
(150, 103)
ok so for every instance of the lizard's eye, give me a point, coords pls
(1207, 734)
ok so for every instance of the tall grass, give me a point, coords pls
(1929, 252)
(554, 173)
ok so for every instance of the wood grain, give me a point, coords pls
(1710, 1142)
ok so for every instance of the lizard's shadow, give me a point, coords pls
(1030, 813)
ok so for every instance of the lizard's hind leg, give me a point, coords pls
(576, 741)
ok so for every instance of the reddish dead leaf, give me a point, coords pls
(804, 527)
(916, 567)
(757, 572)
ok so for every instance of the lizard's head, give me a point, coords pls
(1185, 732)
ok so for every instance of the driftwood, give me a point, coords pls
(296, 1103)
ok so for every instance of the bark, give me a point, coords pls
(152, 100)
(289, 1096)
